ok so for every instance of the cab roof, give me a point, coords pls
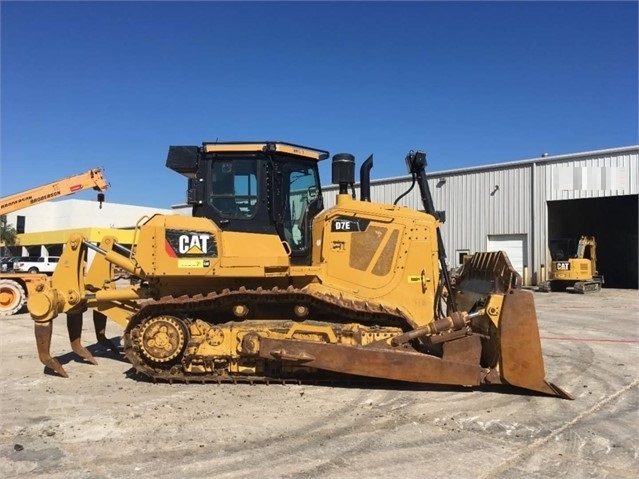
(256, 146)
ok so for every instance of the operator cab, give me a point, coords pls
(266, 187)
(562, 249)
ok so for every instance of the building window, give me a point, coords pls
(20, 220)
(461, 254)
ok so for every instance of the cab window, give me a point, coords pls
(234, 188)
(303, 192)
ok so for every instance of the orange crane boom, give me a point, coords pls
(57, 189)
(15, 287)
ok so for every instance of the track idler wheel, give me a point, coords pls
(162, 339)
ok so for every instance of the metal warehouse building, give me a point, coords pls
(518, 207)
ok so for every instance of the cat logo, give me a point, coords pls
(190, 244)
(193, 244)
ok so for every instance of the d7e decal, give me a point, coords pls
(344, 224)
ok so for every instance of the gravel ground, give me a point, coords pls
(103, 422)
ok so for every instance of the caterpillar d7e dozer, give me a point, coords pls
(263, 284)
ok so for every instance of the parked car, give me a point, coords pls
(31, 264)
(4, 262)
(6, 266)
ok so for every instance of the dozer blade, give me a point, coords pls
(74, 325)
(43, 332)
(515, 347)
(521, 359)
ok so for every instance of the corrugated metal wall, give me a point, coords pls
(607, 173)
(511, 198)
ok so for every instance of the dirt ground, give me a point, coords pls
(103, 423)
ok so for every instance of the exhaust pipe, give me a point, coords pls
(365, 179)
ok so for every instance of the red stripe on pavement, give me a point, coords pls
(587, 340)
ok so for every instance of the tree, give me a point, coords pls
(8, 235)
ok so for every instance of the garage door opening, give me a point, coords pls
(613, 222)
(515, 246)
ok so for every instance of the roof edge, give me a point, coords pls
(508, 164)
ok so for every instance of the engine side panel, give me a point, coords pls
(179, 247)
(379, 253)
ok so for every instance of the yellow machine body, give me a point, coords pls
(220, 305)
(577, 270)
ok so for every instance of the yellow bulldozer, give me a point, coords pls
(264, 284)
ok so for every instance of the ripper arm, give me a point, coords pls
(70, 292)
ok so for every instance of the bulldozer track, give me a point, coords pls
(216, 308)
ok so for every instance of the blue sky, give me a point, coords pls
(110, 84)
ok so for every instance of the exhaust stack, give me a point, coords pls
(365, 179)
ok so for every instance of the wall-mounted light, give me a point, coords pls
(494, 190)
(441, 182)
